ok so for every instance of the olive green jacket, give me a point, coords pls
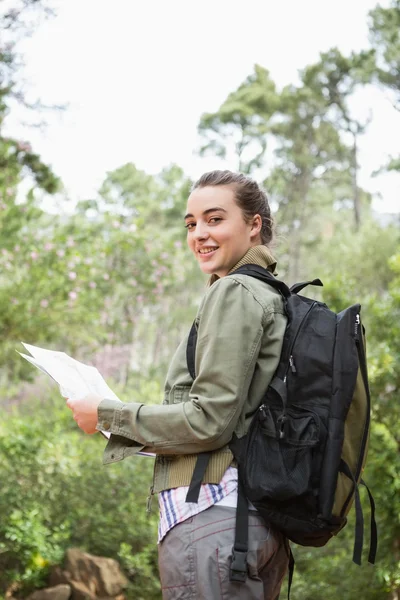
(240, 328)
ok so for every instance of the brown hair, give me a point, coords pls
(249, 196)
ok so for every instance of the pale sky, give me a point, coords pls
(137, 75)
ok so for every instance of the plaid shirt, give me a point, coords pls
(173, 506)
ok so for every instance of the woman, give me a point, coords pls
(240, 326)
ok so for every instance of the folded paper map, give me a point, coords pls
(74, 378)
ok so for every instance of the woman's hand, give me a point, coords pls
(85, 412)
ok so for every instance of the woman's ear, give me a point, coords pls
(256, 227)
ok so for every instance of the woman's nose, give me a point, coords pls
(200, 233)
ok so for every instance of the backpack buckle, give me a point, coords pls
(238, 568)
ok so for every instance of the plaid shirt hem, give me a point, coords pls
(173, 506)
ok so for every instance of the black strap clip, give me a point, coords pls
(238, 569)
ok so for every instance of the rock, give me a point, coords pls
(81, 592)
(101, 576)
(58, 592)
(57, 576)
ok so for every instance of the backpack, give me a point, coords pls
(301, 461)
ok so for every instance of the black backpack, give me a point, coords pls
(301, 462)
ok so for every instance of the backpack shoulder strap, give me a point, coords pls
(264, 275)
(191, 351)
(204, 457)
(254, 271)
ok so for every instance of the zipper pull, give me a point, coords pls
(262, 412)
(149, 500)
(292, 365)
(357, 323)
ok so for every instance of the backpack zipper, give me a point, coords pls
(360, 350)
(291, 365)
(283, 418)
(364, 374)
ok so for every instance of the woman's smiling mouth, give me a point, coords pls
(208, 250)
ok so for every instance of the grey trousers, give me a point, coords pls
(194, 559)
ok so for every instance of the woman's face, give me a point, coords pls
(217, 234)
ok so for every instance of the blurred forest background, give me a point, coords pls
(113, 285)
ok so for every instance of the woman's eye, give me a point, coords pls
(211, 221)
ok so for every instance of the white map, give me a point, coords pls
(74, 378)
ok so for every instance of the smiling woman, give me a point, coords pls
(240, 326)
(227, 214)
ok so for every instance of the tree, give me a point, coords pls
(153, 295)
(384, 28)
(242, 122)
(309, 174)
(307, 178)
(334, 79)
(17, 158)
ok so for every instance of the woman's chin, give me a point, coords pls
(207, 268)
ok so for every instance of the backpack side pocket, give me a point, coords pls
(279, 453)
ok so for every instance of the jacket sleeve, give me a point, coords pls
(230, 330)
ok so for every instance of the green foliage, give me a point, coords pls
(97, 276)
(385, 37)
(384, 27)
(56, 495)
(354, 264)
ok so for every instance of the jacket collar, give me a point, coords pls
(256, 255)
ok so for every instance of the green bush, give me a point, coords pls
(57, 494)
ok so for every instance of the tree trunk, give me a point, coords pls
(356, 190)
(295, 238)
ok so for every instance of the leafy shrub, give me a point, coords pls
(57, 494)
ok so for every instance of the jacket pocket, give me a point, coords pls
(179, 393)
